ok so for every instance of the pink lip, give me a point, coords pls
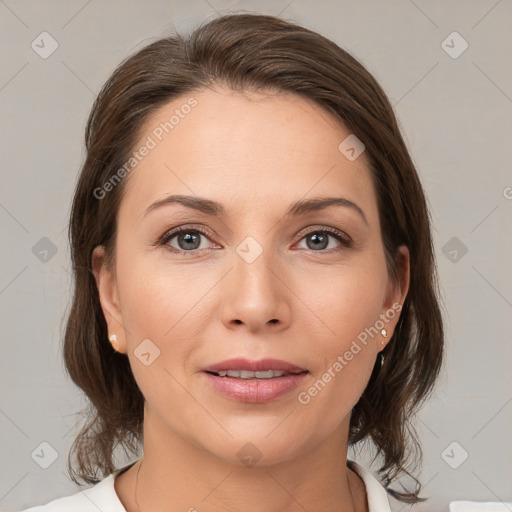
(254, 366)
(254, 390)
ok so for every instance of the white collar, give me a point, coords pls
(376, 494)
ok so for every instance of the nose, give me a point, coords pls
(254, 295)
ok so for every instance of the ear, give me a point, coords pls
(396, 293)
(109, 298)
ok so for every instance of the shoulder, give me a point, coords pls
(101, 496)
(376, 494)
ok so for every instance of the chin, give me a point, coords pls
(251, 449)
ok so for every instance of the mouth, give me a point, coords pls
(260, 375)
(250, 369)
(261, 381)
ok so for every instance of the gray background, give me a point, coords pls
(456, 115)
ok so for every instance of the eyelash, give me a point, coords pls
(345, 240)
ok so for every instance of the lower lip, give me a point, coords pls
(255, 390)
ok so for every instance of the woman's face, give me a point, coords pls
(257, 281)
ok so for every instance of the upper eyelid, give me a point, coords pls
(203, 230)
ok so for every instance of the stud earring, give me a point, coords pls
(384, 333)
(114, 342)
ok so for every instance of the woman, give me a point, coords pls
(255, 281)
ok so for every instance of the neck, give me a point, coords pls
(176, 475)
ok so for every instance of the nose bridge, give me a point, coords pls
(256, 295)
(253, 263)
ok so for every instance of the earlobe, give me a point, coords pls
(108, 295)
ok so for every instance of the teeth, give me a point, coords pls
(245, 374)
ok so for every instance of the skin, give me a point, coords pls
(256, 154)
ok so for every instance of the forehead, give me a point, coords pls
(271, 148)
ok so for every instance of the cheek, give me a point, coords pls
(346, 304)
(157, 307)
(345, 357)
(168, 305)
(159, 298)
(332, 393)
(342, 301)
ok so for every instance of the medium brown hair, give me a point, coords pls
(259, 53)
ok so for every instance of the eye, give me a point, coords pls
(318, 239)
(187, 239)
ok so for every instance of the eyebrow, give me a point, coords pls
(300, 207)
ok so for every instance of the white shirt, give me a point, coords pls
(102, 496)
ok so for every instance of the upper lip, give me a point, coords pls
(254, 366)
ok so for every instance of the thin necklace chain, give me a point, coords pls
(137, 483)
